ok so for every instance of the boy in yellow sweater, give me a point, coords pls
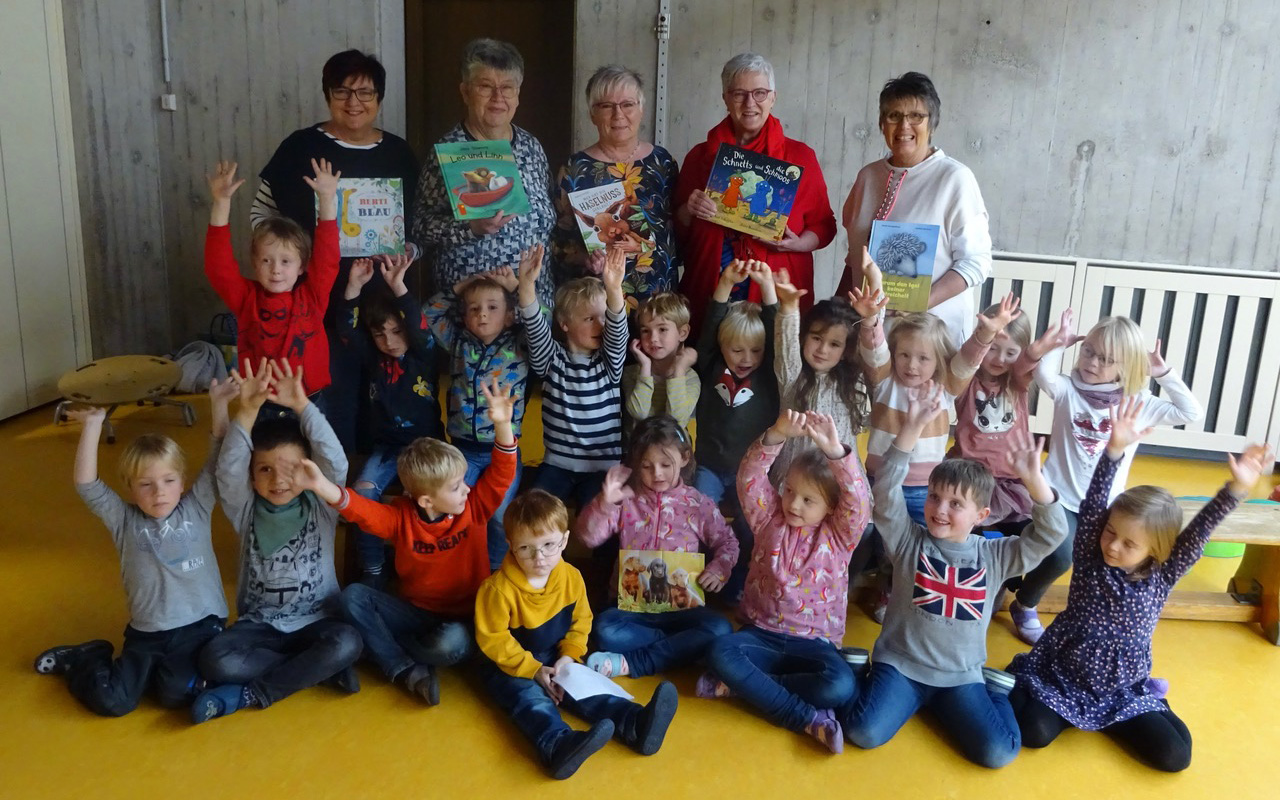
(532, 620)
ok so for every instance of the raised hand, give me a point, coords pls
(361, 273)
(325, 182)
(287, 388)
(308, 475)
(1024, 453)
(868, 302)
(788, 295)
(223, 183)
(505, 277)
(872, 277)
(1158, 368)
(824, 433)
(735, 272)
(615, 488)
(86, 414)
(642, 358)
(527, 278)
(500, 400)
(924, 404)
(991, 327)
(1058, 335)
(595, 262)
(790, 424)
(1256, 460)
(1125, 418)
(393, 268)
(255, 389)
(226, 390)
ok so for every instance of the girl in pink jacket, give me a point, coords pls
(650, 507)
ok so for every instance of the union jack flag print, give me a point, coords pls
(955, 592)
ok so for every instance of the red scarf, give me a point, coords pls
(771, 142)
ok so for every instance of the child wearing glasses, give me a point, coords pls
(1113, 363)
(439, 532)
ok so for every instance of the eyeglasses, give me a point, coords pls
(739, 96)
(528, 552)
(507, 90)
(1088, 353)
(912, 117)
(343, 94)
(626, 107)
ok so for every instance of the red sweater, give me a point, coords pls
(441, 564)
(703, 241)
(279, 325)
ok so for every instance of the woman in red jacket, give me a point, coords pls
(748, 84)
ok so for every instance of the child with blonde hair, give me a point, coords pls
(662, 381)
(1113, 363)
(1091, 668)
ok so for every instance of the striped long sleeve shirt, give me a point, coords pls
(581, 394)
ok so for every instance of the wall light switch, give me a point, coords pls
(169, 102)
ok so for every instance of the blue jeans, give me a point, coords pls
(274, 664)
(914, 497)
(398, 635)
(374, 478)
(478, 456)
(580, 487)
(1036, 582)
(724, 485)
(981, 722)
(538, 717)
(788, 678)
(654, 643)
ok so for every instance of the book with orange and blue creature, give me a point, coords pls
(753, 193)
(481, 179)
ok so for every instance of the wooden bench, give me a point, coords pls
(1252, 595)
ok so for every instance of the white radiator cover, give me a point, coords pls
(1220, 329)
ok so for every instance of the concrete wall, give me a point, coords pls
(246, 74)
(1141, 131)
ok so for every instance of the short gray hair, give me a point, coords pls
(611, 77)
(743, 63)
(502, 56)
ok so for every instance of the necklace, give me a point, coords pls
(890, 194)
(630, 157)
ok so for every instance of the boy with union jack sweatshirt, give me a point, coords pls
(946, 580)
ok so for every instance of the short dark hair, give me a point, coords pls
(378, 305)
(966, 475)
(910, 85)
(284, 230)
(353, 64)
(272, 432)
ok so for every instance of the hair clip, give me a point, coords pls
(682, 435)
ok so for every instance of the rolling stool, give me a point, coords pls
(114, 381)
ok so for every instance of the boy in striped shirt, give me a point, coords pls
(581, 379)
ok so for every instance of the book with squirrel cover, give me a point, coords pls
(654, 581)
(753, 193)
(607, 215)
(370, 216)
(481, 179)
(904, 251)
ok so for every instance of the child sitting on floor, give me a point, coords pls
(532, 621)
(170, 572)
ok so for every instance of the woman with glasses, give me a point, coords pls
(492, 72)
(918, 182)
(641, 222)
(748, 90)
(354, 84)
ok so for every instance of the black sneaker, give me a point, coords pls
(55, 660)
(421, 681)
(344, 680)
(656, 717)
(575, 748)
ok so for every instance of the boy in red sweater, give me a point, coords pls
(280, 311)
(439, 531)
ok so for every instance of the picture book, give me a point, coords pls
(481, 178)
(370, 216)
(654, 581)
(601, 213)
(753, 193)
(904, 251)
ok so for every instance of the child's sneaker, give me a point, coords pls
(219, 702)
(998, 680)
(652, 725)
(1157, 687)
(1026, 622)
(857, 658)
(421, 681)
(55, 660)
(344, 680)
(576, 747)
(826, 728)
(709, 687)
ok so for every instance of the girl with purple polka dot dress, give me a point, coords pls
(1091, 667)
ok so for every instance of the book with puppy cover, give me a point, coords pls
(481, 179)
(753, 193)
(904, 251)
(370, 216)
(656, 581)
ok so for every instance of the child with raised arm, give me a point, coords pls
(581, 394)
(532, 622)
(739, 396)
(648, 505)
(280, 311)
(786, 660)
(288, 635)
(438, 532)
(393, 340)
(1091, 668)
(1113, 362)
(170, 572)
(946, 578)
(479, 332)
(662, 381)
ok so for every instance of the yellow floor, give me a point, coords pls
(61, 584)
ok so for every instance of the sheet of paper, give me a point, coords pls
(580, 682)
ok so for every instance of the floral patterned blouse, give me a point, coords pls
(649, 184)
